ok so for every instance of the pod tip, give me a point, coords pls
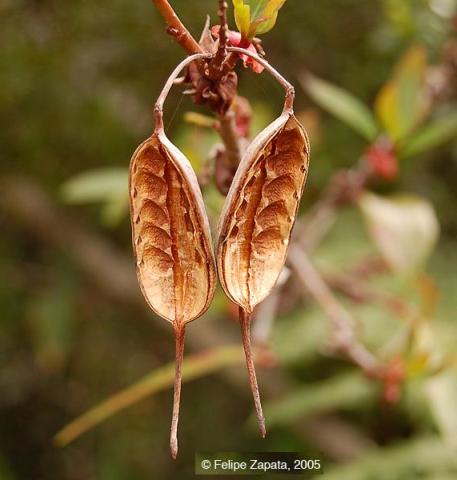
(263, 430)
(174, 448)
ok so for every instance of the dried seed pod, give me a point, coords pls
(170, 232)
(258, 216)
(171, 236)
(260, 210)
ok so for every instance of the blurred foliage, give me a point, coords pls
(107, 186)
(404, 228)
(78, 81)
(401, 103)
(343, 105)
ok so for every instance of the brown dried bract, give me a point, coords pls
(260, 210)
(170, 232)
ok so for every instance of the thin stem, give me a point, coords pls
(288, 87)
(215, 68)
(245, 324)
(222, 12)
(158, 109)
(176, 28)
(230, 62)
(180, 332)
(228, 135)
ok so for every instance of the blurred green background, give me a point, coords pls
(77, 84)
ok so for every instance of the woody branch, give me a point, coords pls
(217, 68)
(176, 28)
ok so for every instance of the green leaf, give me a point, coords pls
(96, 185)
(108, 186)
(401, 104)
(267, 16)
(404, 228)
(255, 17)
(342, 104)
(434, 134)
(242, 17)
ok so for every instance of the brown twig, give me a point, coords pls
(227, 131)
(176, 28)
(360, 292)
(345, 339)
(215, 67)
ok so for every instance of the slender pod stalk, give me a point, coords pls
(180, 332)
(158, 108)
(288, 87)
(245, 324)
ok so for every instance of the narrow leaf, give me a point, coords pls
(107, 186)
(404, 229)
(98, 185)
(436, 133)
(343, 391)
(242, 16)
(268, 16)
(342, 105)
(255, 17)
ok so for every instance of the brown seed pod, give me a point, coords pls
(258, 216)
(170, 230)
(259, 211)
(171, 236)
